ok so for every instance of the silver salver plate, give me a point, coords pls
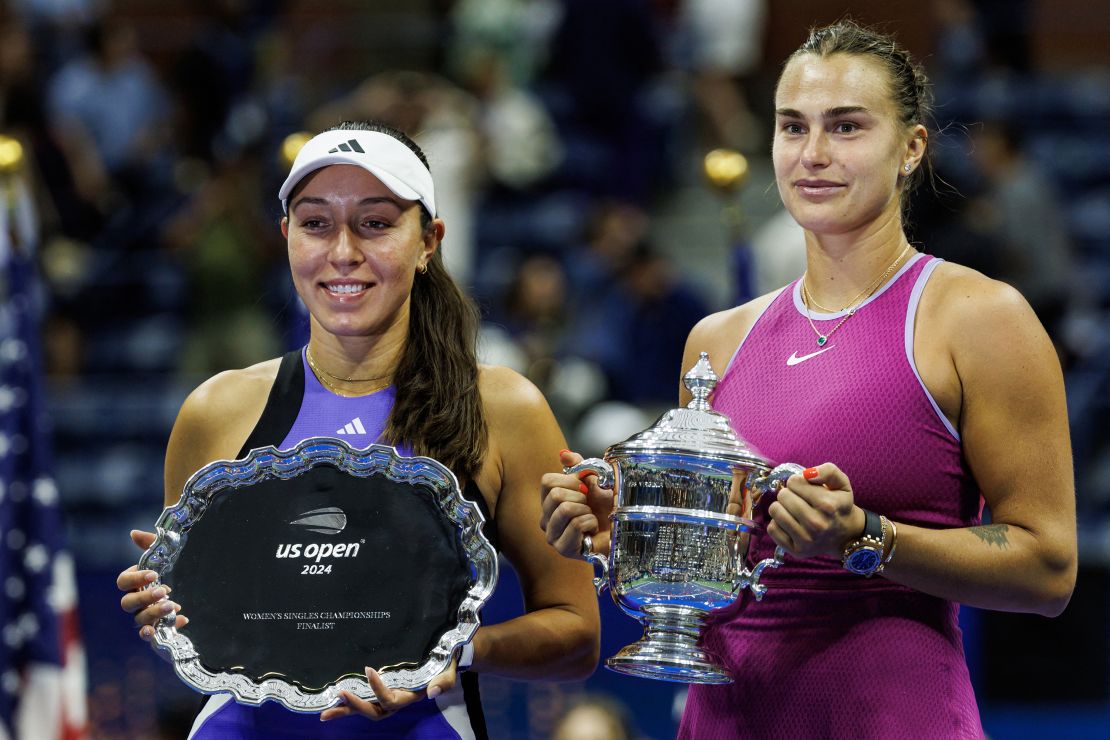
(299, 567)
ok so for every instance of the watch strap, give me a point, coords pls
(872, 525)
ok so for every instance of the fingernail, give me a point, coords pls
(147, 632)
(583, 488)
(166, 607)
(810, 473)
(150, 576)
(159, 593)
(584, 473)
(563, 452)
(184, 621)
(434, 691)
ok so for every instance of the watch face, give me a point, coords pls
(863, 561)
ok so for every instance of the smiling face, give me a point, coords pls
(840, 150)
(354, 250)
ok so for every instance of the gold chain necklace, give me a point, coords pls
(808, 298)
(323, 375)
(822, 339)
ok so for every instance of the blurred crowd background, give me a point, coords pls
(143, 149)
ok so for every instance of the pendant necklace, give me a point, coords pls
(852, 306)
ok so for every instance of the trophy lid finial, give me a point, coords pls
(695, 430)
(700, 381)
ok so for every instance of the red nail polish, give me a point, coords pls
(583, 488)
(810, 473)
(582, 474)
(563, 452)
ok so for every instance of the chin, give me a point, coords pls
(344, 329)
(826, 222)
(818, 225)
(361, 325)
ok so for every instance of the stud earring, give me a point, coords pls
(908, 168)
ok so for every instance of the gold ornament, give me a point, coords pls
(292, 146)
(11, 155)
(726, 169)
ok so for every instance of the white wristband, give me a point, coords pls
(466, 657)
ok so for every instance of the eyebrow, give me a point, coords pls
(838, 112)
(364, 202)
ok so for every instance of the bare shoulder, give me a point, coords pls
(524, 437)
(985, 331)
(235, 390)
(955, 288)
(976, 312)
(505, 393)
(733, 321)
(720, 333)
(216, 420)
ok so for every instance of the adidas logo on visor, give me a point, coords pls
(350, 146)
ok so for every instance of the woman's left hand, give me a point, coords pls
(815, 513)
(389, 701)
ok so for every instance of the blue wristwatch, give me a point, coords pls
(864, 556)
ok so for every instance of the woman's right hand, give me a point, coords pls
(148, 605)
(574, 506)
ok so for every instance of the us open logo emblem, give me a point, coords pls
(330, 520)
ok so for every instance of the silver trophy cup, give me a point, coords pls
(684, 492)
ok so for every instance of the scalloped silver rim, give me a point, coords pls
(267, 463)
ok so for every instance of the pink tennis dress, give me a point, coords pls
(829, 654)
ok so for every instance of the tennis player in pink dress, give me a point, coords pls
(927, 400)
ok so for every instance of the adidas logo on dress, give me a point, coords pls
(350, 146)
(354, 426)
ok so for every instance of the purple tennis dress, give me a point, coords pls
(300, 407)
(829, 654)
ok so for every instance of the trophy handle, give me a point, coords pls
(603, 469)
(588, 554)
(605, 479)
(776, 479)
(750, 579)
(771, 483)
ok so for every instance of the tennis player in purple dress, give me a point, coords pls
(390, 359)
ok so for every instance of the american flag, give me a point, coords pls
(42, 664)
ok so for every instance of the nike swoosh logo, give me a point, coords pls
(793, 359)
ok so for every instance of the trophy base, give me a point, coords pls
(669, 651)
(667, 668)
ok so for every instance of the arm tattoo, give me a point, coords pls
(993, 534)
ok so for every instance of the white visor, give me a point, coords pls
(380, 154)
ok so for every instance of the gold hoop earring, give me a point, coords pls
(423, 269)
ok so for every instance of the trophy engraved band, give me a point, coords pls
(300, 567)
(685, 490)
